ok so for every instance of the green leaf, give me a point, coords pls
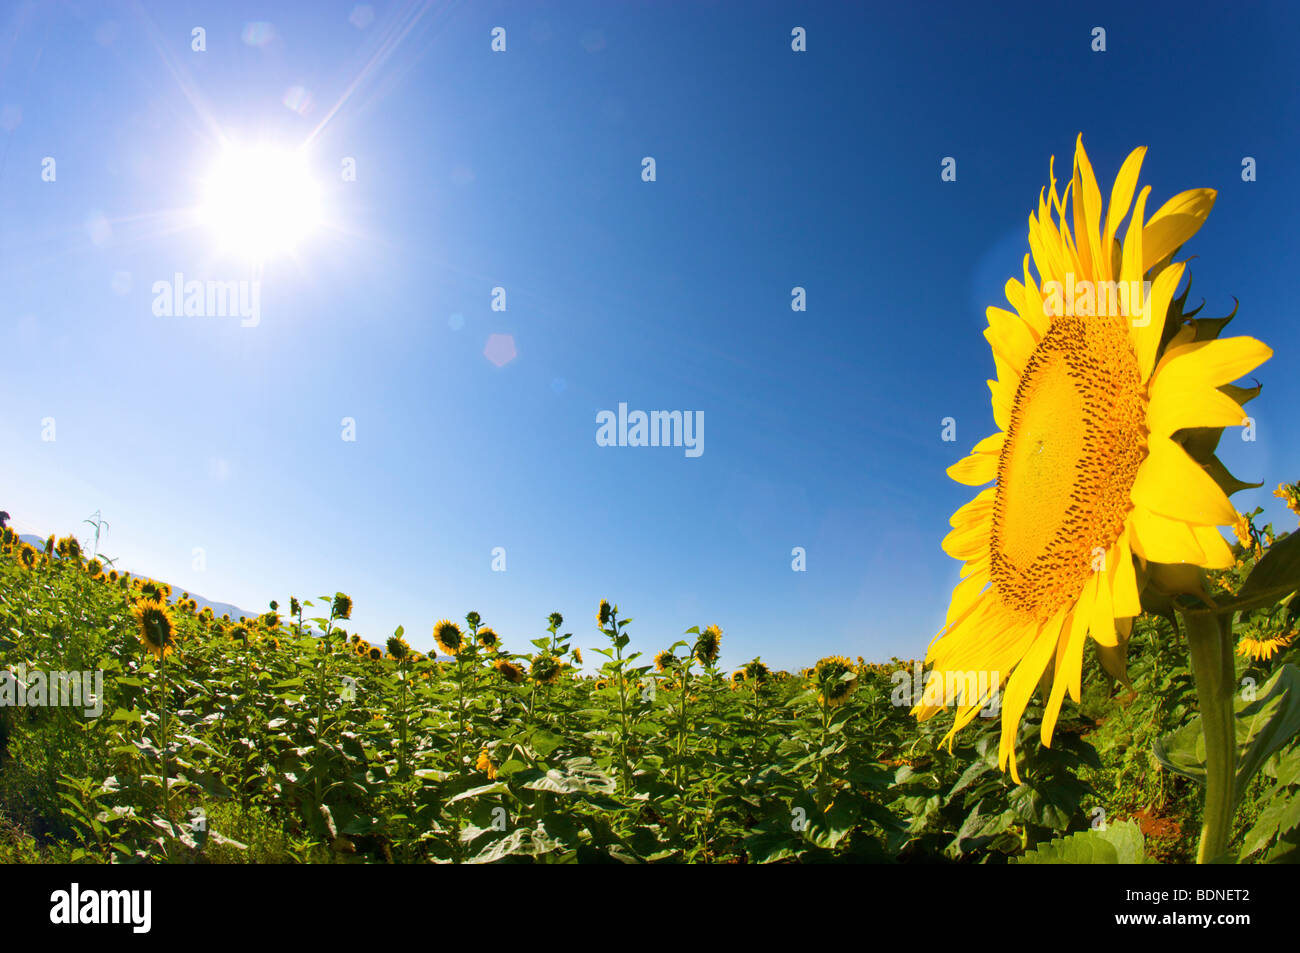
(1120, 843)
(1277, 574)
(1279, 816)
(1268, 723)
(1263, 726)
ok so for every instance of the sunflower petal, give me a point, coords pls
(1121, 194)
(1021, 685)
(1215, 363)
(1124, 590)
(1159, 539)
(1175, 408)
(1171, 483)
(1175, 222)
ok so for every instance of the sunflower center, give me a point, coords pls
(1073, 447)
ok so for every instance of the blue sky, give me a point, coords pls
(522, 169)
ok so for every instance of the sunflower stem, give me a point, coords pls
(1210, 642)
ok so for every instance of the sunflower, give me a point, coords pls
(449, 637)
(577, 655)
(1101, 454)
(602, 613)
(665, 660)
(1244, 530)
(546, 669)
(485, 764)
(508, 670)
(375, 654)
(488, 638)
(1263, 649)
(27, 554)
(341, 607)
(708, 644)
(834, 688)
(156, 631)
(757, 672)
(398, 648)
(1289, 493)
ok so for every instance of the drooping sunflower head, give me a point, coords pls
(554, 621)
(1100, 465)
(341, 608)
(546, 669)
(1262, 649)
(836, 678)
(708, 644)
(68, 547)
(602, 613)
(398, 648)
(151, 591)
(757, 673)
(665, 660)
(508, 670)
(155, 627)
(449, 637)
(577, 655)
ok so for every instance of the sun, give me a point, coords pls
(260, 201)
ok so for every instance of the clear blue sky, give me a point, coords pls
(523, 169)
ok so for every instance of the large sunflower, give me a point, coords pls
(1102, 462)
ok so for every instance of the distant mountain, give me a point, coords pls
(218, 608)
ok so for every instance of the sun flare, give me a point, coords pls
(260, 201)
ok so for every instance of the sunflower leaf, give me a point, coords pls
(1120, 843)
(1276, 575)
(1264, 725)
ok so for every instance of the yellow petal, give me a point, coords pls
(967, 541)
(1218, 554)
(1101, 620)
(1175, 222)
(1032, 310)
(1011, 338)
(1149, 324)
(1121, 194)
(1159, 539)
(976, 510)
(975, 470)
(1124, 591)
(1171, 483)
(1069, 659)
(1087, 213)
(1023, 681)
(1172, 410)
(1214, 363)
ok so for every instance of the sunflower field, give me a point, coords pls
(287, 739)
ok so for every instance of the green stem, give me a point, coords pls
(162, 730)
(1210, 642)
